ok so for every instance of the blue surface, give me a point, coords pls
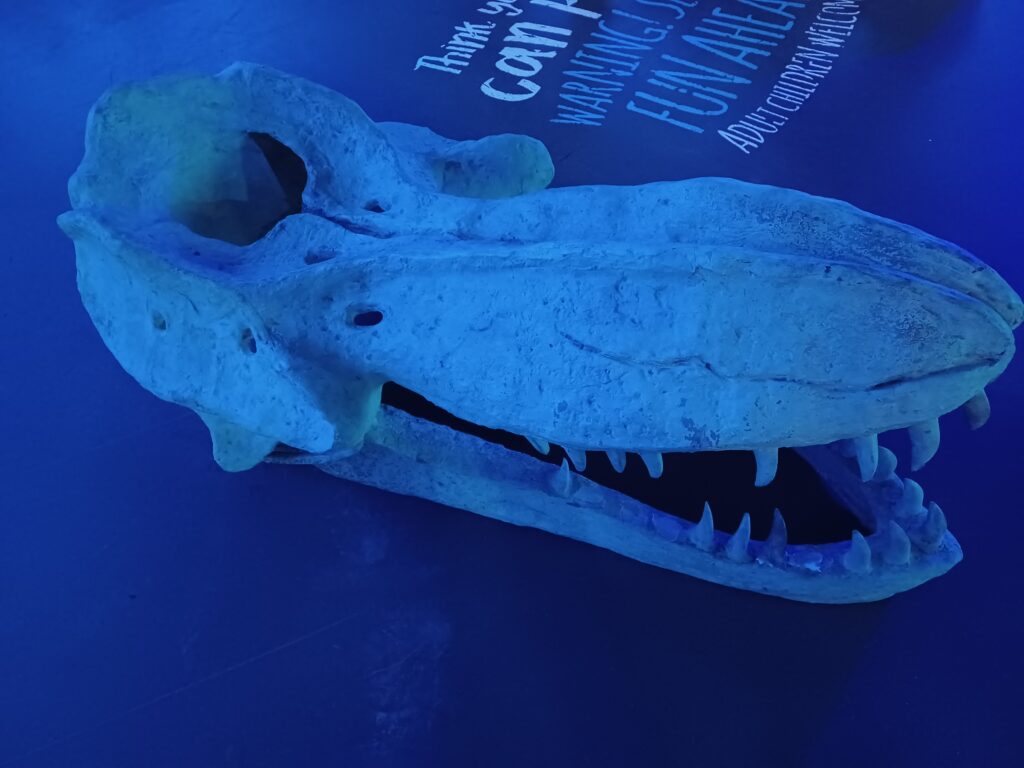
(155, 611)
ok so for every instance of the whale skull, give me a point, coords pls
(254, 247)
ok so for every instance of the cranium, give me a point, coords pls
(253, 247)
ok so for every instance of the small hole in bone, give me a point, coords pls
(248, 341)
(159, 321)
(318, 256)
(363, 318)
(375, 207)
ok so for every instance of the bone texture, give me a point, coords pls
(254, 247)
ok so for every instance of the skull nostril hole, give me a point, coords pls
(364, 317)
(318, 256)
(159, 321)
(374, 206)
(248, 342)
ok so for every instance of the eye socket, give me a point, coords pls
(364, 317)
(159, 321)
(270, 174)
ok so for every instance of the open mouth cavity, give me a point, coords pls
(806, 525)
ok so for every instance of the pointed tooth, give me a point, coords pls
(702, 535)
(896, 545)
(858, 557)
(886, 464)
(978, 410)
(935, 523)
(540, 445)
(737, 548)
(667, 526)
(774, 549)
(577, 456)
(562, 481)
(653, 462)
(867, 456)
(912, 500)
(924, 442)
(767, 465)
(617, 459)
(929, 535)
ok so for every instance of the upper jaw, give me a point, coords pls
(655, 347)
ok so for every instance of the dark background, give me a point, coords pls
(156, 611)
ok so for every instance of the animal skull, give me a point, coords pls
(253, 247)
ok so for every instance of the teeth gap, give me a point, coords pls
(724, 478)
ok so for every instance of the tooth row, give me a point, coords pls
(736, 548)
(617, 458)
(893, 546)
(874, 463)
(767, 460)
(877, 463)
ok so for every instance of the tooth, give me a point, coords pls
(896, 547)
(577, 456)
(867, 456)
(539, 444)
(912, 500)
(737, 548)
(703, 534)
(767, 465)
(667, 526)
(929, 536)
(978, 409)
(858, 556)
(886, 464)
(562, 481)
(924, 442)
(617, 459)
(654, 463)
(774, 549)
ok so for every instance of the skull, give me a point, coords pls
(253, 247)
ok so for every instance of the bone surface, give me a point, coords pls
(254, 247)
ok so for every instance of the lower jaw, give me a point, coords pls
(415, 457)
